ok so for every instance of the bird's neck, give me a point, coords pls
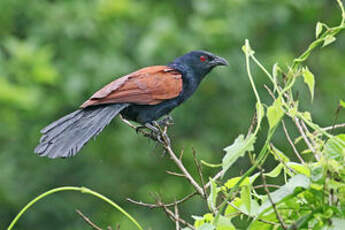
(191, 79)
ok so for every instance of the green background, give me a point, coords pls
(55, 54)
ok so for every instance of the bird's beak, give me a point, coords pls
(219, 61)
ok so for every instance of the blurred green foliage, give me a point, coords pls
(54, 54)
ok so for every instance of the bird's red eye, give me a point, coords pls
(202, 58)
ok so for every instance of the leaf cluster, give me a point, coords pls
(312, 194)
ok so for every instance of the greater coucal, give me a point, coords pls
(142, 96)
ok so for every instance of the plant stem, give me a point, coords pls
(72, 188)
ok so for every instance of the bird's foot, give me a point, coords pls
(158, 132)
(146, 126)
(166, 121)
(163, 136)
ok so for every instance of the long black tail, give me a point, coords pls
(66, 136)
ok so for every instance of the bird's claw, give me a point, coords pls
(166, 121)
(139, 128)
(157, 132)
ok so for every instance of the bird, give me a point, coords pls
(142, 96)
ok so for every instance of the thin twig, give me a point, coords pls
(269, 91)
(177, 223)
(271, 200)
(87, 220)
(181, 154)
(159, 206)
(175, 173)
(291, 143)
(198, 165)
(337, 126)
(252, 124)
(174, 217)
(267, 185)
(337, 112)
(258, 219)
(219, 174)
(285, 130)
(184, 170)
(305, 138)
(281, 160)
(308, 132)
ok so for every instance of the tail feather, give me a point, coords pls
(66, 136)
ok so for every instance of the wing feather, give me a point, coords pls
(147, 86)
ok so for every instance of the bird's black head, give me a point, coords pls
(200, 62)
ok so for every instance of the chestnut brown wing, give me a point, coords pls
(147, 86)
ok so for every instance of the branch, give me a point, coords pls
(88, 221)
(198, 165)
(174, 217)
(148, 205)
(305, 138)
(177, 223)
(159, 206)
(285, 130)
(175, 173)
(164, 140)
(337, 126)
(270, 199)
(184, 170)
(267, 185)
(246, 214)
(292, 144)
(308, 132)
(252, 125)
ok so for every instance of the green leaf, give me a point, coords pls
(317, 172)
(337, 224)
(224, 223)
(293, 111)
(342, 103)
(302, 221)
(237, 150)
(309, 79)
(254, 208)
(299, 168)
(307, 116)
(233, 181)
(212, 198)
(253, 178)
(210, 164)
(237, 202)
(328, 40)
(286, 190)
(279, 155)
(200, 221)
(276, 171)
(206, 226)
(335, 148)
(318, 29)
(275, 113)
(238, 206)
(259, 225)
(208, 217)
(246, 197)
